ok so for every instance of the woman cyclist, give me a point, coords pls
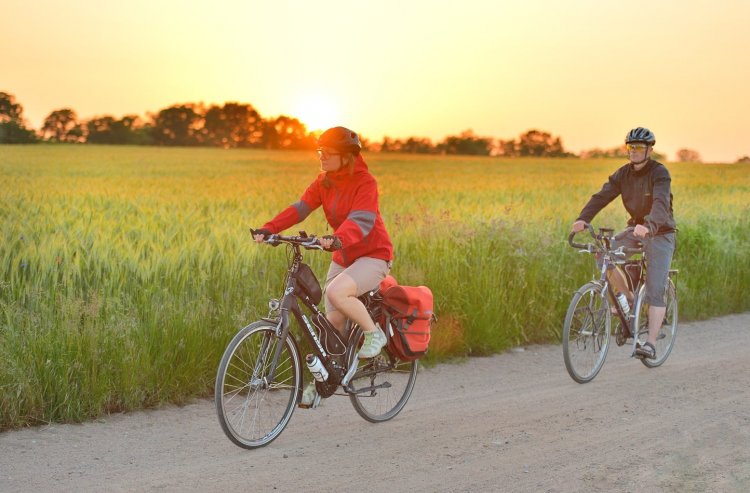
(362, 249)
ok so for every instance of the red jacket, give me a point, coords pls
(351, 208)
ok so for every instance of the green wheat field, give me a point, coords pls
(125, 271)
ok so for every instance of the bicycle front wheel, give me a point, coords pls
(253, 406)
(586, 333)
(668, 330)
(381, 386)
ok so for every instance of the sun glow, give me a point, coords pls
(317, 113)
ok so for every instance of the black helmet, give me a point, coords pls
(342, 139)
(640, 134)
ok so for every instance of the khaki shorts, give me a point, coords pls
(367, 273)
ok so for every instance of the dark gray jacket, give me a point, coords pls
(646, 195)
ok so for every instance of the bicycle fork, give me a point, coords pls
(281, 333)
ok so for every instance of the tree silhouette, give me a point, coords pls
(233, 125)
(286, 132)
(12, 127)
(178, 125)
(533, 143)
(413, 145)
(107, 130)
(466, 143)
(62, 126)
(537, 143)
(9, 109)
(688, 156)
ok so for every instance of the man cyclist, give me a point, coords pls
(645, 188)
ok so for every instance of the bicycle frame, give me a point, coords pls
(263, 365)
(587, 328)
(330, 356)
(608, 259)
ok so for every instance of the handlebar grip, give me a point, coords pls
(336, 245)
(575, 245)
(260, 231)
(632, 250)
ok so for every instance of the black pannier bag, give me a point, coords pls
(307, 284)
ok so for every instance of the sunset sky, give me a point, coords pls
(584, 70)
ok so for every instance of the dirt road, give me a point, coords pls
(512, 422)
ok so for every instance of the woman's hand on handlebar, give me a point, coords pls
(329, 242)
(260, 235)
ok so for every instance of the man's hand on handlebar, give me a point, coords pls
(578, 226)
(641, 231)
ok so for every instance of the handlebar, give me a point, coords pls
(304, 240)
(308, 242)
(599, 245)
(587, 246)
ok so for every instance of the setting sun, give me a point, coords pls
(505, 68)
(316, 112)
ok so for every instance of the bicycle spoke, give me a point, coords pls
(586, 333)
(667, 331)
(385, 387)
(254, 407)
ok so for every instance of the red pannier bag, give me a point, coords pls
(408, 314)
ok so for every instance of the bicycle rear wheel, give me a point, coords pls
(586, 333)
(381, 386)
(253, 410)
(667, 332)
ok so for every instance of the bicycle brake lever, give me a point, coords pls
(272, 240)
(312, 244)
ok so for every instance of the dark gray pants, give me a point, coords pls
(659, 250)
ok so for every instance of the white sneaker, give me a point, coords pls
(374, 342)
(310, 397)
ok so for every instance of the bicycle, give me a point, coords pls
(588, 321)
(259, 380)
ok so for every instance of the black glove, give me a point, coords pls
(336, 245)
(260, 231)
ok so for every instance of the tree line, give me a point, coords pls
(239, 125)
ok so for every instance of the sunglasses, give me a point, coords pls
(636, 147)
(324, 154)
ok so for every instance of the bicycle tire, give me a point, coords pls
(382, 386)
(667, 333)
(586, 333)
(242, 393)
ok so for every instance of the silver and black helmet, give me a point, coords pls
(642, 135)
(341, 139)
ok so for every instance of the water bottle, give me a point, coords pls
(623, 301)
(316, 367)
